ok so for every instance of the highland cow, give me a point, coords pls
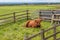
(34, 23)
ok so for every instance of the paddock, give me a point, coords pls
(52, 16)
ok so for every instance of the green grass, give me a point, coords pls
(10, 9)
(17, 31)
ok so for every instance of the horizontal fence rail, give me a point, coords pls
(6, 18)
(6, 14)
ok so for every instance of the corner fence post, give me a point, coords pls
(27, 13)
(14, 17)
(54, 29)
(42, 34)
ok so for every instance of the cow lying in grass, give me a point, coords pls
(34, 23)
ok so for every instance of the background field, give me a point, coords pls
(17, 31)
(10, 9)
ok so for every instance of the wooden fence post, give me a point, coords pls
(14, 17)
(26, 37)
(54, 31)
(42, 34)
(27, 13)
(52, 18)
(40, 14)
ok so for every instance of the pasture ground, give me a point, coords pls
(10, 9)
(17, 31)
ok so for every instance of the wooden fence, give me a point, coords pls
(42, 33)
(50, 15)
(14, 17)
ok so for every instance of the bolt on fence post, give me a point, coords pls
(42, 34)
(27, 13)
(14, 17)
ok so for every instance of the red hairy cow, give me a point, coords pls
(34, 23)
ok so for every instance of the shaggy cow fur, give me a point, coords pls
(34, 23)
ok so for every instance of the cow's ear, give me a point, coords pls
(40, 19)
(35, 20)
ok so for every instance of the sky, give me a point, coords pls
(29, 1)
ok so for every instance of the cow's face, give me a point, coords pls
(38, 21)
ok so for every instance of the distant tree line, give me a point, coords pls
(29, 4)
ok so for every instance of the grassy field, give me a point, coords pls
(17, 31)
(10, 9)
